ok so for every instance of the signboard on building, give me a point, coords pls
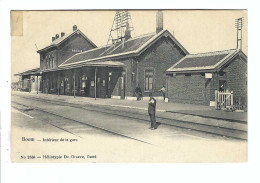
(208, 75)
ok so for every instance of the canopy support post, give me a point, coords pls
(37, 84)
(74, 84)
(96, 83)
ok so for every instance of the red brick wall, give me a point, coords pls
(44, 57)
(236, 77)
(194, 89)
(161, 56)
(75, 42)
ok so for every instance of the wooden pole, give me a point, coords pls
(58, 82)
(74, 84)
(96, 83)
(216, 99)
(232, 98)
(37, 84)
(137, 74)
(30, 84)
(47, 84)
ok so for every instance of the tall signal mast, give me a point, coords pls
(239, 25)
(121, 25)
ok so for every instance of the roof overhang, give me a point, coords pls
(192, 71)
(29, 72)
(108, 63)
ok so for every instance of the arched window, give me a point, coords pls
(53, 62)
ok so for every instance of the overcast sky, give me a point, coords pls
(198, 31)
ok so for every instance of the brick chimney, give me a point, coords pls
(159, 21)
(62, 34)
(53, 38)
(75, 27)
(57, 36)
(127, 32)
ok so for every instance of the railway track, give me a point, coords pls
(80, 122)
(240, 134)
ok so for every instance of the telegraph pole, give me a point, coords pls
(122, 23)
(239, 23)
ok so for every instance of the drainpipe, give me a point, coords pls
(167, 85)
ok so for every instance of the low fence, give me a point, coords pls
(223, 99)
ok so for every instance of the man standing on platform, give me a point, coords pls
(151, 111)
(163, 90)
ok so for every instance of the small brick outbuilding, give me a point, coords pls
(195, 77)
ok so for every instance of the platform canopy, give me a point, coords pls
(96, 64)
(29, 72)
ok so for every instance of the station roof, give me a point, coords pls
(103, 56)
(29, 72)
(131, 47)
(60, 40)
(205, 61)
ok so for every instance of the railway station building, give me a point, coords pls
(196, 77)
(74, 65)
(118, 69)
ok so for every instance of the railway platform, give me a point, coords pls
(177, 108)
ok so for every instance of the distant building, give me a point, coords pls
(29, 80)
(195, 78)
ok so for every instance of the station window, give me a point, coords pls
(149, 73)
(52, 61)
(222, 73)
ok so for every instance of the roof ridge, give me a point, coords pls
(153, 38)
(143, 35)
(219, 51)
(56, 41)
(140, 36)
(59, 40)
(91, 50)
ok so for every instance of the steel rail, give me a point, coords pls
(87, 124)
(135, 114)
